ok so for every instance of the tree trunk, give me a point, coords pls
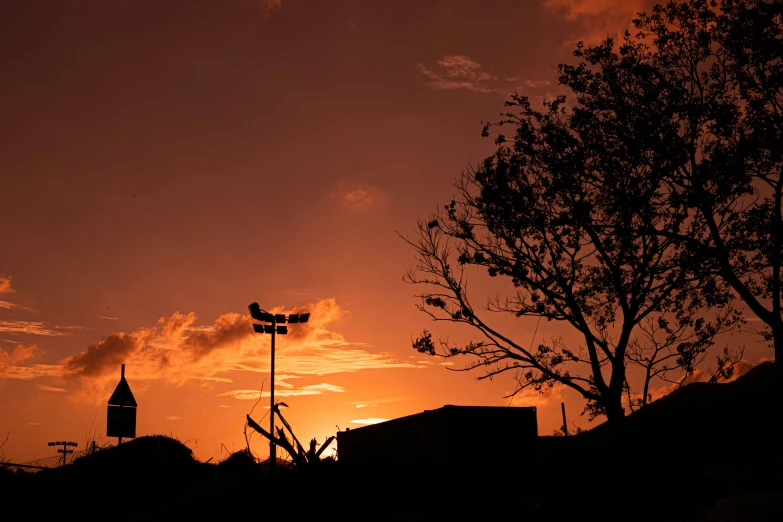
(777, 337)
(616, 469)
(615, 415)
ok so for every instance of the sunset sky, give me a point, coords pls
(165, 163)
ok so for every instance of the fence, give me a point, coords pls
(45, 462)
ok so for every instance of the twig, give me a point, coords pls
(2, 452)
(247, 440)
(533, 340)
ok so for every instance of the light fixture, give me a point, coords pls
(276, 327)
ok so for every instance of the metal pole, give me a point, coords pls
(122, 376)
(565, 425)
(272, 447)
(65, 452)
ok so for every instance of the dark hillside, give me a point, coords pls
(682, 452)
(694, 455)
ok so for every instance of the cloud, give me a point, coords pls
(105, 355)
(223, 406)
(227, 330)
(427, 362)
(376, 402)
(35, 423)
(456, 72)
(33, 371)
(271, 5)
(13, 306)
(5, 284)
(177, 350)
(173, 417)
(371, 420)
(216, 379)
(289, 391)
(20, 354)
(362, 198)
(530, 397)
(537, 84)
(35, 328)
(51, 388)
(15, 365)
(6, 288)
(600, 19)
(108, 318)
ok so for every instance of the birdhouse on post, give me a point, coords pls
(121, 415)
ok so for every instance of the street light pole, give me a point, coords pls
(65, 451)
(272, 445)
(277, 326)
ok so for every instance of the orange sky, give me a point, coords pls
(164, 164)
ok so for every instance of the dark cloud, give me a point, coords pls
(104, 356)
(228, 329)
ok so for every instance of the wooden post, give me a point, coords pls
(565, 424)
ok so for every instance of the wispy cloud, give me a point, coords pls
(35, 423)
(458, 73)
(30, 372)
(8, 305)
(376, 402)
(370, 420)
(530, 397)
(16, 364)
(362, 198)
(427, 362)
(173, 417)
(53, 389)
(108, 318)
(6, 288)
(35, 328)
(291, 391)
(537, 84)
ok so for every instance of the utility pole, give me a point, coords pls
(65, 451)
(272, 445)
(277, 326)
(565, 425)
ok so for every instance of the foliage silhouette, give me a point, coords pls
(723, 75)
(581, 210)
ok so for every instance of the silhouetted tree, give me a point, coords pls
(568, 210)
(723, 66)
(653, 196)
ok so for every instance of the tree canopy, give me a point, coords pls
(634, 211)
